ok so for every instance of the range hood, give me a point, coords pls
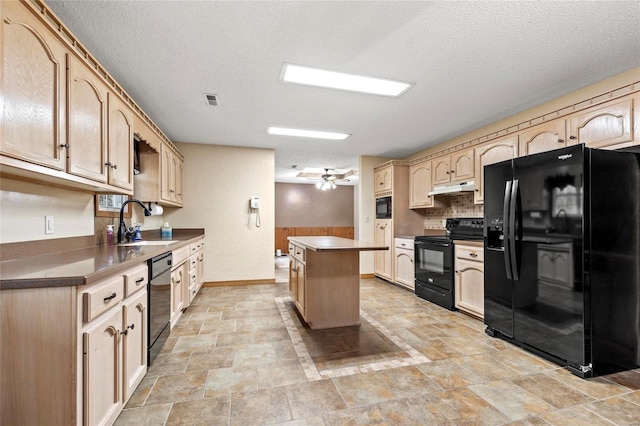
(453, 189)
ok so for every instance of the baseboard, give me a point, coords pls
(238, 282)
(364, 276)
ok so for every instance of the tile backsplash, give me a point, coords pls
(457, 206)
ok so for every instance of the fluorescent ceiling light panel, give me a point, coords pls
(282, 131)
(338, 80)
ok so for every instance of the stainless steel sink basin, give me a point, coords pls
(148, 243)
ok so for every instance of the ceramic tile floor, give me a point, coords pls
(240, 356)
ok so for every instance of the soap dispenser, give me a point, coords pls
(137, 236)
(110, 237)
(166, 231)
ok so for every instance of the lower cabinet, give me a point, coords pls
(297, 276)
(383, 259)
(72, 355)
(404, 267)
(179, 283)
(469, 278)
(196, 270)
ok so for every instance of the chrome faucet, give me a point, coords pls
(122, 228)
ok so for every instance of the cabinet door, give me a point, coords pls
(177, 175)
(543, 137)
(101, 391)
(420, 184)
(404, 267)
(134, 343)
(120, 139)
(462, 166)
(178, 281)
(382, 179)
(293, 278)
(442, 170)
(87, 134)
(33, 90)
(469, 282)
(490, 153)
(167, 189)
(603, 126)
(301, 282)
(383, 258)
(200, 268)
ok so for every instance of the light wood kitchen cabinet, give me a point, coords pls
(603, 126)
(404, 266)
(81, 368)
(383, 236)
(492, 152)
(420, 183)
(297, 276)
(469, 278)
(543, 137)
(120, 144)
(555, 264)
(456, 167)
(87, 115)
(33, 87)
(383, 179)
(171, 175)
(179, 283)
(196, 269)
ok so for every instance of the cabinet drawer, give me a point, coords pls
(135, 279)
(101, 297)
(194, 247)
(404, 243)
(470, 253)
(180, 255)
(298, 252)
(193, 263)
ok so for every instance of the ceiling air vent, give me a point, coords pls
(212, 100)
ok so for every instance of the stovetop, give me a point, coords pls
(468, 228)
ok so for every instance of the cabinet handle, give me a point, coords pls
(171, 190)
(477, 190)
(114, 166)
(126, 330)
(107, 164)
(106, 299)
(560, 140)
(473, 254)
(448, 172)
(64, 145)
(572, 137)
(178, 282)
(139, 280)
(380, 183)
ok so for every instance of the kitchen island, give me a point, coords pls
(324, 279)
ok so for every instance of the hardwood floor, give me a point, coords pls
(241, 356)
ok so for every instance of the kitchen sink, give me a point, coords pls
(148, 243)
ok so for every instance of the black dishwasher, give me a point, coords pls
(159, 293)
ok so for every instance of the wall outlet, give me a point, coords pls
(48, 224)
(444, 222)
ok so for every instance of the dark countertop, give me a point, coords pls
(86, 265)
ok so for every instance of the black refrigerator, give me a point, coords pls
(562, 256)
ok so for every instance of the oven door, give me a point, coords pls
(434, 263)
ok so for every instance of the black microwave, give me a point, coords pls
(383, 208)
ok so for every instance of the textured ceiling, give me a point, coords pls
(472, 63)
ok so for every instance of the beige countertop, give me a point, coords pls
(334, 244)
(85, 265)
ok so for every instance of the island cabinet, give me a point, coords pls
(469, 277)
(297, 276)
(383, 264)
(324, 279)
(73, 355)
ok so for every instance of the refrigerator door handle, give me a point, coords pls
(512, 228)
(506, 230)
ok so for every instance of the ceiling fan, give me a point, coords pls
(327, 180)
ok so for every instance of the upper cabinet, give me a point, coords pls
(171, 170)
(543, 137)
(605, 126)
(160, 178)
(383, 179)
(63, 119)
(33, 87)
(456, 167)
(420, 184)
(492, 152)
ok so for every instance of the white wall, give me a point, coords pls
(218, 182)
(23, 206)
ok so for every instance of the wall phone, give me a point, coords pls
(254, 207)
